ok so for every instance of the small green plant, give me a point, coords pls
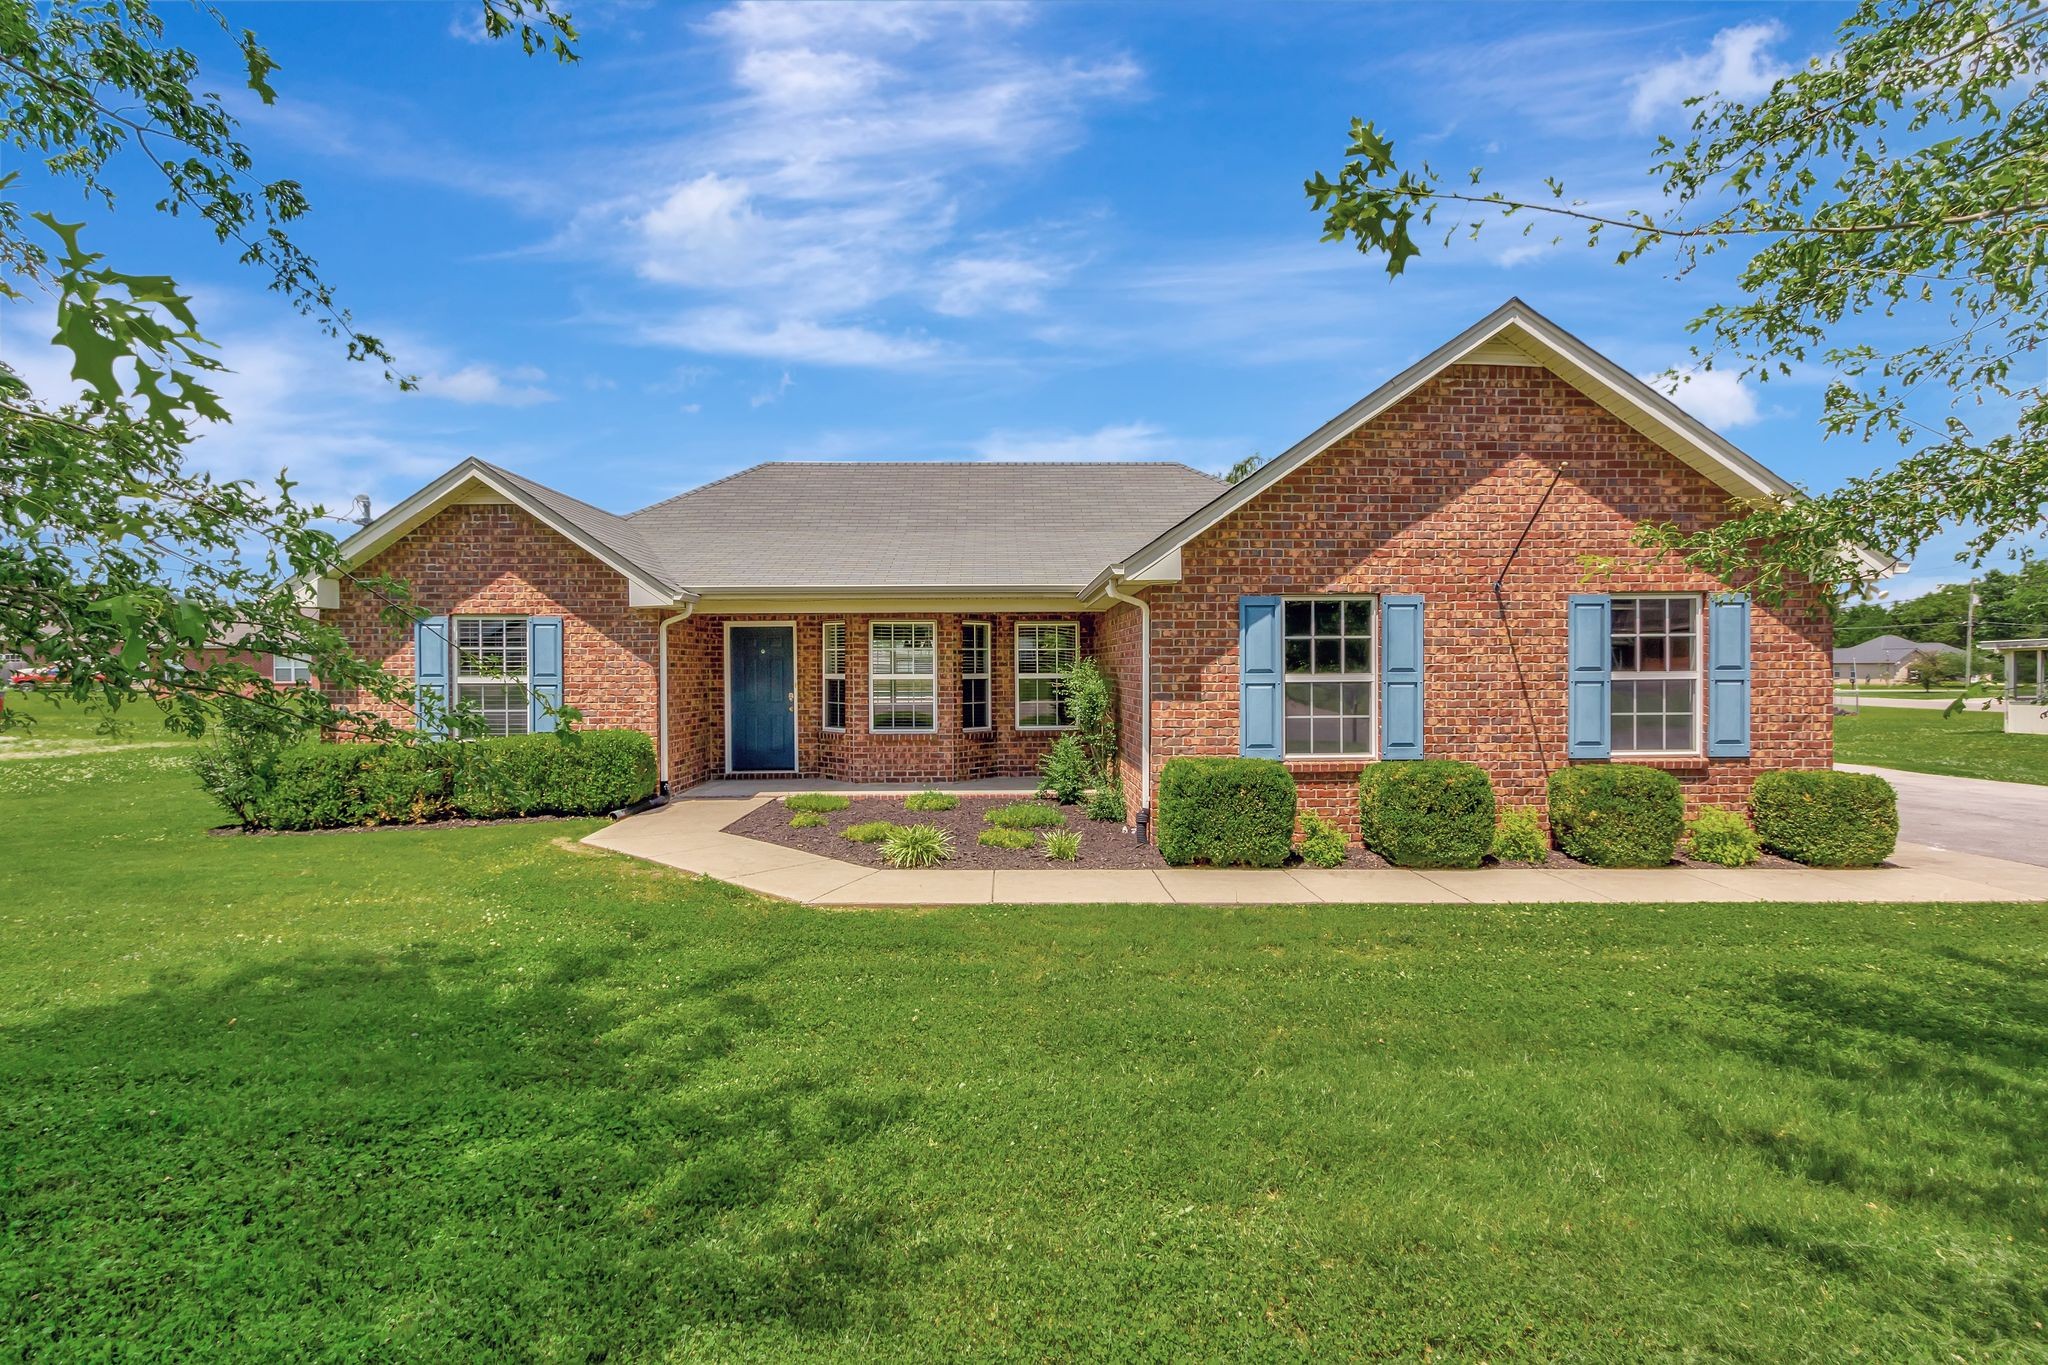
(1107, 802)
(1025, 815)
(1062, 845)
(1519, 837)
(869, 832)
(815, 802)
(806, 819)
(1065, 774)
(1006, 838)
(1322, 843)
(930, 801)
(1721, 836)
(917, 846)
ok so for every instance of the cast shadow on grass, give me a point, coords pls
(440, 1149)
(1935, 1064)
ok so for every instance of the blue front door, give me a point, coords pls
(762, 707)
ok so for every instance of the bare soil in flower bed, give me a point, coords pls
(1104, 844)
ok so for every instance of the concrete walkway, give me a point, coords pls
(1970, 814)
(1917, 703)
(690, 834)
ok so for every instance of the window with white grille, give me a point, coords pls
(974, 676)
(491, 670)
(1328, 644)
(1656, 675)
(1046, 652)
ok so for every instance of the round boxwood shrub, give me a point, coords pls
(316, 786)
(1826, 819)
(1616, 814)
(1230, 812)
(1432, 812)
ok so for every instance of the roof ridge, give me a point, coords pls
(548, 487)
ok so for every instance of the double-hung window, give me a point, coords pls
(285, 670)
(903, 676)
(1328, 644)
(974, 675)
(491, 670)
(1046, 652)
(834, 717)
(1656, 675)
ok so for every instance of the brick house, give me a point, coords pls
(1445, 569)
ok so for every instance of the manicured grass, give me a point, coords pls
(480, 1093)
(1971, 743)
(61, 722)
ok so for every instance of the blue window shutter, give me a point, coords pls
(544, 665)
(1588, 677)
(1400, 675)
(430, 674)
(1728, 677)
(1261, 677)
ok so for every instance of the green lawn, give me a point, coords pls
(479, 1094)
(60, 723)
(1970, 744)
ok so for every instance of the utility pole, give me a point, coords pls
(1970, 641)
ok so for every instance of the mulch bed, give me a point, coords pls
(1103, 845)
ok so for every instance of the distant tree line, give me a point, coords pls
(2010, 605)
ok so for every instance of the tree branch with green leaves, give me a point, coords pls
(1897, 185)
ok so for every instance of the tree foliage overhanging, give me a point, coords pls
(120, 562)
(1898, 184)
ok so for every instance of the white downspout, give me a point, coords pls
(1144, 694)
(661, 721)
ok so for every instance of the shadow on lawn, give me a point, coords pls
(440, 1149)
(1933, 1070)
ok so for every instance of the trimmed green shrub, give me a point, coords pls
(1106, 802)
(1232, 812)
(995, 837)
(406, 783)
(1064, 772)
(1322, 843)
(236, 768)
(1431, 812)
(818, 803)
(1826, 819)
(1616, 814)
(930, 801)
(807, 819)
(1519, 837)
(1721, 836)
(917, 846)
(1062, 845)
(316, 786)
(869, 832)
(571, 772)
(1025, 815)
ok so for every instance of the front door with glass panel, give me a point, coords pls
(760, 706)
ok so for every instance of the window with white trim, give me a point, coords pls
(903, 677)
(1330, 676)
(1046, 652)
(834, 717)
(1655, 675)
(290, 671)
(974, 675)
(491, 670)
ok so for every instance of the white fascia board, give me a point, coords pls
(449, 489)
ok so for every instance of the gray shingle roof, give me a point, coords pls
(913, 524)
(606, 528)
(1887, 649)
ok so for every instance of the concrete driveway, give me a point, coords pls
(1969, 815)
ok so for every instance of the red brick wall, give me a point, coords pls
(478, 559)
(1118, 646)
(1429, 498)
(697, 704)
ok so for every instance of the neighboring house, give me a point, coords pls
(1885, 659)
(1444, 570)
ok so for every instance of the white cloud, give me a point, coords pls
(518, 387)
(772, 394)
(829, 196)
(1736, 66)
(1125, 441)
(733, 331)
(1716, 397)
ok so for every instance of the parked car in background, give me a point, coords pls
(29, 679)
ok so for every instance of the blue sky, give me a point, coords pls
(735, 233)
